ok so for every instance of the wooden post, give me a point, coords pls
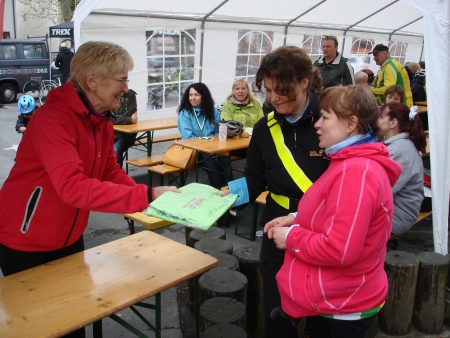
(197, 235)
(401, 268)
(224, 331)
(248, 258)
(214, 245)
(447, 297)
(223, 283)
(428, 315)
(226, 261)
(221, 310)
(187, 231)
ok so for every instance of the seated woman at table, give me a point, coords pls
(336, 242)
(197, 117)
(60, 176)
(402, 132)
(241, 105)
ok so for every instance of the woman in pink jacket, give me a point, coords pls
(336, 243)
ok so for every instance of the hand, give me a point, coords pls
(224, 192)
(244, 134)
(278, 235)
(134, 118)
(22, 129)
(158, 191)
(285, 221)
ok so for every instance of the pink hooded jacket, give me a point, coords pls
(334, 262)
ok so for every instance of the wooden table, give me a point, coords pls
(147, 127)
(67, 294)
(422, 109)
(215, 146)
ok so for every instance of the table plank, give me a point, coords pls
(147, 125)
(215, 146)
(421, 103)
(59, 297)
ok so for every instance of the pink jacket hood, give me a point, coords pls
(375, 151)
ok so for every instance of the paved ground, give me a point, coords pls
(177, 320)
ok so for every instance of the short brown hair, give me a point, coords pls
(352, 101)
(287, 65)
(395, 89)
(100, 57)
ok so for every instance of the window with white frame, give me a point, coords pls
(359, 54)
(252, 46)
(312, 45)
(170, 65)
(398, 51)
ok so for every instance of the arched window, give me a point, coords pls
(359, 54)
(312, 44)
(170, 64)
(398, 51)
(252, 46)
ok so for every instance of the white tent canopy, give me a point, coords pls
(217, 24)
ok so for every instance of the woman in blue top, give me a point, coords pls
(197, 117)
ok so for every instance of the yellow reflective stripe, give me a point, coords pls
(281, 200)
(285, 155)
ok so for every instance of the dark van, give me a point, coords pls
(20, 62)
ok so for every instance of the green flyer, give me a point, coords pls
(198, 206)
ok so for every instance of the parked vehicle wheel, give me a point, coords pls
(45, 89)
(8, 93)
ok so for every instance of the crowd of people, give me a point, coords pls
(338, 152)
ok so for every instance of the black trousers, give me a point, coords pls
(271, 260)
(321, 327)
(13, 261)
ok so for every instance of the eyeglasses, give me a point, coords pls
(123, 82)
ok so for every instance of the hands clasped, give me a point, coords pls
(277, 228)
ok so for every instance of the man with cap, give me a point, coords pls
(62, 61)
(335, 69)
(391, 73)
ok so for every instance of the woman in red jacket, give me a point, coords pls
(66, 165)
(335, 247)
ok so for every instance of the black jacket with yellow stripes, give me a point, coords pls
(265, 169)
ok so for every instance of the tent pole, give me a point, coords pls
(203, 36)
(296, 18)
(367, 17)
(395, 30)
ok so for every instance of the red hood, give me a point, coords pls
(66, 98)
(375, 151)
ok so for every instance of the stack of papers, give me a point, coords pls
(198, 206)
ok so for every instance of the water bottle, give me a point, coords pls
(223, 131)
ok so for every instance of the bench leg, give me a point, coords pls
(130, 225)
(97, 330)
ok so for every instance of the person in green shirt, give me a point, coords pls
(241, 105)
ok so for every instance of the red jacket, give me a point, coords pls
(334, 261)
(66, 166)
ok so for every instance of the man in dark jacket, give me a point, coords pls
(62, 61)
(335, 69)
(126, 114)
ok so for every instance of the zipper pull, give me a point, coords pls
(295, 139)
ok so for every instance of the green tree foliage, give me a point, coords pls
(57, 11)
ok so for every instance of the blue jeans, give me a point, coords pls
(122, 144)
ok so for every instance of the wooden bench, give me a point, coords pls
(394, 240)
(166, 169)
(149, 222)
(150, 159)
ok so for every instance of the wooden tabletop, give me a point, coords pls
(422, 109)
(59, 297)
(421, 103)
(215, 146)
(147, 125)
